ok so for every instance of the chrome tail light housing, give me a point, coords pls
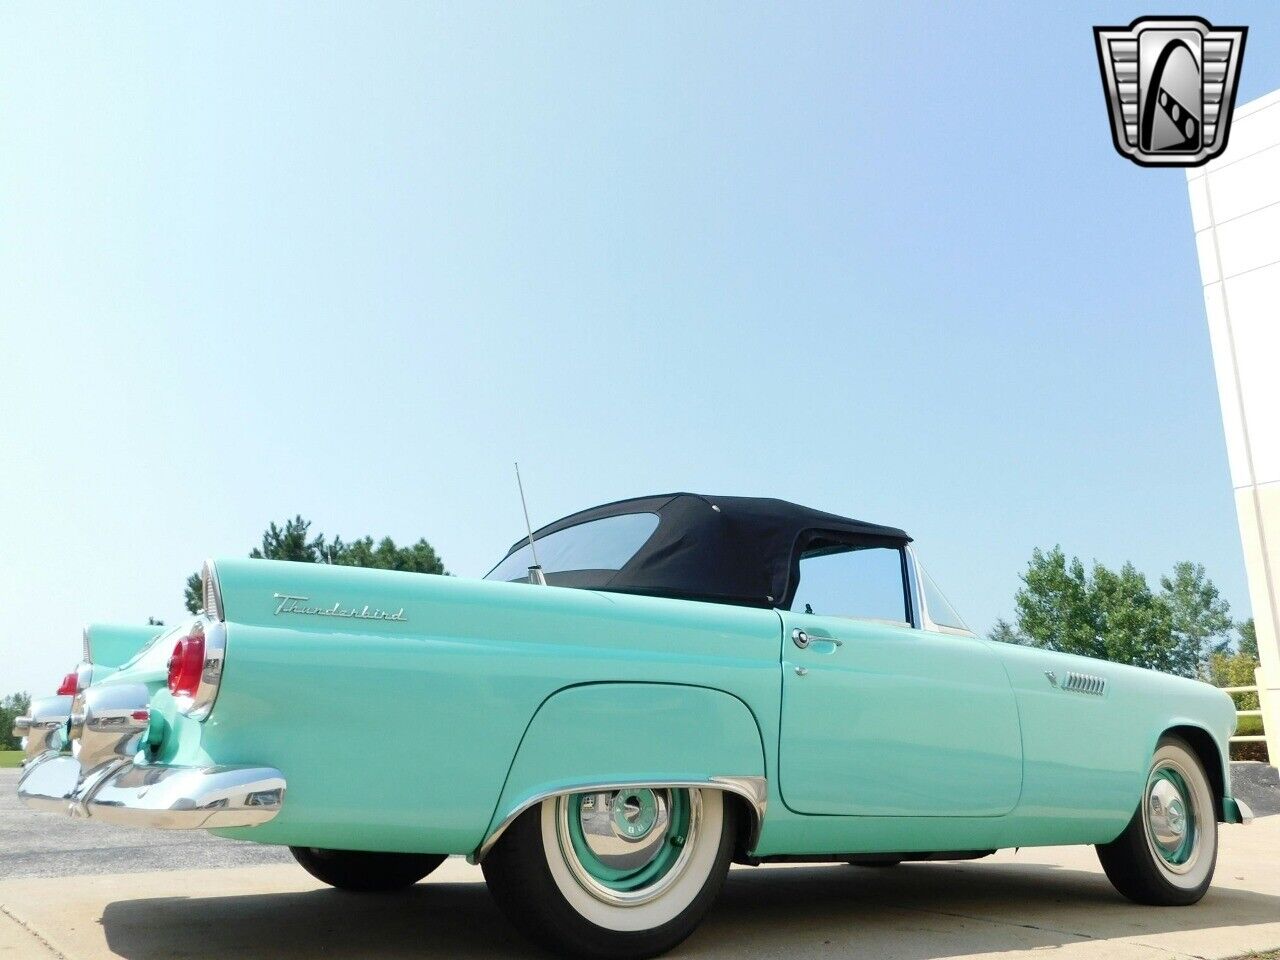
(212, 592)
(195, 668)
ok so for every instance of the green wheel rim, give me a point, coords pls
(646, 806)
(628, 845)
(1170, 816)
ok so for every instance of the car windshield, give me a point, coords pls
(605, 544)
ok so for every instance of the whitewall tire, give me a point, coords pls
(620, 874)
(1167, 854)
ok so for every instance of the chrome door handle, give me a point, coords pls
(802, 639)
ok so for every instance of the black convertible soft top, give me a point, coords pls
(742, 550)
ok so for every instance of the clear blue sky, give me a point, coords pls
(351, 261)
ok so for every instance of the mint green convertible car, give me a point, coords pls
(634, 697)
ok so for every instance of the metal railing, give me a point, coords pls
(1260, 738)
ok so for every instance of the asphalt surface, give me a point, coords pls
(43, 845)
(1258, 785)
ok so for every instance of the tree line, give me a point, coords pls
(1116, 615)
(293, 541)
(1182, 625)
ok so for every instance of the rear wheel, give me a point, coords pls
(365, 872)
(621, 874)
(1167, 853)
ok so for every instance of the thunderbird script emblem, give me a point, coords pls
(291, 603)
(1171, 86)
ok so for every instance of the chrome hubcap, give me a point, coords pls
(1167, 815)
(625, 847)
(1170, 816)
(626, 829)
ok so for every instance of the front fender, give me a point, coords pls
(621, 733)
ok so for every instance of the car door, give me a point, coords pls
(879, 717)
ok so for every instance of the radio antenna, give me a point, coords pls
(535, 570)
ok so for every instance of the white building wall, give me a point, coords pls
(1235, 207)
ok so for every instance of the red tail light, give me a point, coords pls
(68, 685)
(186, 665)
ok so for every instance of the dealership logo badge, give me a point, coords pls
(1171, 86)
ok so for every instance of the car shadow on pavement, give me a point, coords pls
(911, 912)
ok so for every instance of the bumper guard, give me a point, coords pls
(103, 778)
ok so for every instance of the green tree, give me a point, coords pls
(290, 543)
(1201, 618)
(293, 541)
(1004, 632)
(1135, 625)
(1055, 605)
(13, 706)
(421, 557)
(1247, 642)
(1115, 615)
(1225, 669)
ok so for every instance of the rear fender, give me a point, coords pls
(110, 645)
(603, 735)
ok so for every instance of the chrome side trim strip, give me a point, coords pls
(755, 790)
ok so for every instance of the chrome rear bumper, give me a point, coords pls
(105, 776)
(154, 795)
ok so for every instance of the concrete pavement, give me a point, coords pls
(1013, 905)
(86, 891)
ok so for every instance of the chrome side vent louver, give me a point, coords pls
(86, 658)
(1085, 683)
(212, 592)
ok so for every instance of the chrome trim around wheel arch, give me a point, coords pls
(755, 790)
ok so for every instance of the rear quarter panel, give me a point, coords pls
(399, 735)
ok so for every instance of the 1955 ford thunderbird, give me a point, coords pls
(634, 697)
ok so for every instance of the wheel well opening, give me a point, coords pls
(745, 826)
(1206, 750)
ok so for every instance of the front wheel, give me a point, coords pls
(1167, 853)
(619, 874)
(365, 872)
